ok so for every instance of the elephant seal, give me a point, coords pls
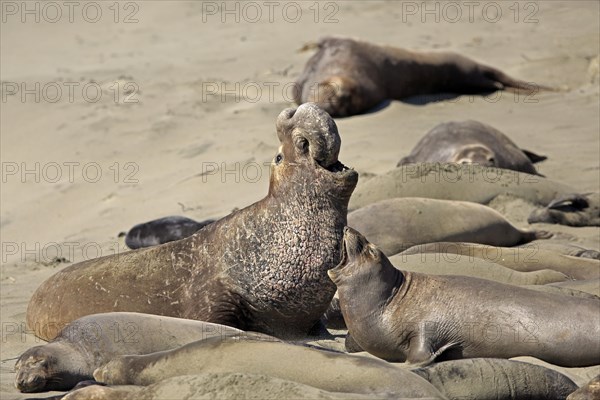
(418, 318)
(394, 225)
(163, 230)
(464, 182)
(571, 209)
(563, 247)
(348, 77)
(472, 142)
(452, 264)
(493, 379)
(91, 341)
(524, 259)
(321, 369)
(222, 386)
(262, 268)
(591, 286)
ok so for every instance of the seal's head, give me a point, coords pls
(362, 264)
(44, 368)
(474, 154)
(308, 155)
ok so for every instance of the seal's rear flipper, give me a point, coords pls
(420, 353)
(534, 158)
(569, 202)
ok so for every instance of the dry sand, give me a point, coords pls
(152, 153)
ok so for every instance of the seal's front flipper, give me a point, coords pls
(421, 353)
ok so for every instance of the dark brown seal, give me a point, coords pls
(418, 318)
(472, 142)
(348, 77)
(262, 268)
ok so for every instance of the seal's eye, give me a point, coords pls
(279, 158)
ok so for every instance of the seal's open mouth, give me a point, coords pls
(337, 167)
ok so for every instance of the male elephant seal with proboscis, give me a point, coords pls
(163, 230)
(418, 318)
(91, 341)
(472, 142)
(262, 268)
(348, 77)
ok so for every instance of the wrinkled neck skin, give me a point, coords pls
(365, 299)
(277, 252)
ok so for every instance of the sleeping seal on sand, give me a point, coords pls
(348, 77)
(472, 142)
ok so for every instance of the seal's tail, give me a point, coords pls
(508, 83)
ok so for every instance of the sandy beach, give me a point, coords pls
(116, 114)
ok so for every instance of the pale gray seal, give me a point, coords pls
(91, 341)
(465, 182)
(394, 225)
(322, 369)
(472, 142)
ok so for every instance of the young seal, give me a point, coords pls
(348, 77)
(91, 341)
(418, 318)
(465, 182)
(493, 379)
(262, 268)
(472, 142)
(571, 210)
(394, 225)
(524, 259)
(322, 369)
(163, 230)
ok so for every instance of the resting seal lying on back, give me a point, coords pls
(163, 230)
(471, 142)
(262, 268)
(92, 341)
(418, 318)
(348, 77)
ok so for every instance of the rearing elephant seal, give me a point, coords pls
(418, 318)
(348, 77)
(262, 268)
(472, 142)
